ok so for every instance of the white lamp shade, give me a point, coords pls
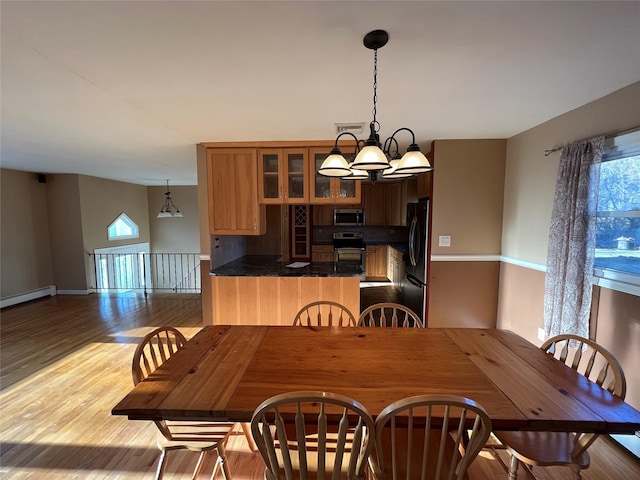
(164, 215)
(357, 174)
(392, 172)
(334, 166)
(413, 162)
(371, 157)
(177, 214)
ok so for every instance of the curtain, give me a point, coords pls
(571, 249)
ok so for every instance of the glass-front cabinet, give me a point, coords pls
(283, 175)
(328, 189)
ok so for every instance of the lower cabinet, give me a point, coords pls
(276, 300)
(395, 267)
(376, 267)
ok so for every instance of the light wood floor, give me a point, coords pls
(65, 362)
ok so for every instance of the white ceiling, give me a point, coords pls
(124, 90)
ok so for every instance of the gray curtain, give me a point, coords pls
(570, 254)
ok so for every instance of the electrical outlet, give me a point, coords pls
(444, 241)
(541, 334)
(216, 243)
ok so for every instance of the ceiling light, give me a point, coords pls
(374, 161)
(169, 209)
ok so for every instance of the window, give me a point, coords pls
(617, 255)
(122, 227)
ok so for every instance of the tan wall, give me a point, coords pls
(65, 224)
(618, 329)
(174, 235)
(468, 184)
(530, 176)
(463, 294)
(529, 189)
(520, 300)
(102, 201)
(25, 253)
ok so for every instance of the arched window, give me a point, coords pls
(122, 227)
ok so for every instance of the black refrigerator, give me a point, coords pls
(414, 287)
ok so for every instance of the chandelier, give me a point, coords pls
(373, 160)
(169, 209)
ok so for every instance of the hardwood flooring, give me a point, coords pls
(65, 361)
(378, 292)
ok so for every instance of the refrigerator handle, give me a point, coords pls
(412, 241)
(414, 281)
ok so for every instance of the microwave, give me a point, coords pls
(348, 216)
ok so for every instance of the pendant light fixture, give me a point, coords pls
(169, 210)
(376, 161)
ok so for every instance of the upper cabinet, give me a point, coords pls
(233, 197)
(283, 175)
(385, 203)
(425, 180)
(327, 189)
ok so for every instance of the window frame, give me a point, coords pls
(623, 145)
(125, 219)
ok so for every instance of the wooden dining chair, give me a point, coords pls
(429, 437)
(564, 448)
(313, 434)
(324, 313)
(155, 349)
(389, 315)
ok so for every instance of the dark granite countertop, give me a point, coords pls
(272, 266)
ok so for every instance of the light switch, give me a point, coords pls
(444, 241)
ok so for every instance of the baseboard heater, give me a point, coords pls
(47, 291)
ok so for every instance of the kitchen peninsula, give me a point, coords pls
(263, 290)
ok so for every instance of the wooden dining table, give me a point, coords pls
(224, 372)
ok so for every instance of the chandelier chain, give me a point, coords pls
(375, 83)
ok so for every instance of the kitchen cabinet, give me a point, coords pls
(396, 206)
(424, 185)
(374, 200)
(323, 214)
(248, 300)
(330, 190)
(283, 175)
(425, 179)
(395, 267)
(300, 232)
(385, 203)
(322, 253)
(233, 195)
(376, 262)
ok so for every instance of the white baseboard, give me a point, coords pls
(47, 291)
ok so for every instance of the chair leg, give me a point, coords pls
(199, 465)
(162, 464)
(222, 455)
(216, 466)
(575, 472)
(513, 468)
(246, 428)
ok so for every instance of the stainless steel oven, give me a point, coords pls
(348, 247)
